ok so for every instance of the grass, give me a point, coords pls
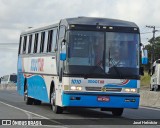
(145, 80)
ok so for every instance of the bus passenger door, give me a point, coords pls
(61, 37)
(60, 65)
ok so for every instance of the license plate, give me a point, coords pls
(103, 98)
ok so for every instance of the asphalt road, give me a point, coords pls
(12, 106)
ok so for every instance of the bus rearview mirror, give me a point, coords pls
(144, 56)
(63, 53)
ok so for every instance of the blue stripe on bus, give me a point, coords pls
(103, 93)
(130, 84)
(91, 101)
(37, 88)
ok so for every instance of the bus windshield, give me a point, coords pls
(98, 53)
(122, 52)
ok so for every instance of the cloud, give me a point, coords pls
(18, 15)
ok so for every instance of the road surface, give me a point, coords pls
(12, 106)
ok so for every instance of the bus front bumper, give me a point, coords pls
(100, 99)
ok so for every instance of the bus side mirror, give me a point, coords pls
(63, 52)
(144, 56)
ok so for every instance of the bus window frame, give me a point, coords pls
(20, 43)
(39, 42)
(42, 41)
(21, 49)
(54, 40)
(27, 43)
(35, 43)
(24, 44)
(30, 43)
(49, 41)
(45, 42)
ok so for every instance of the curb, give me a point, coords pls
(150, 99)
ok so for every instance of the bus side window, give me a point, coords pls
(61, 35)
(39, 42)
(54, 40)
(45, 42)
(42, 42)
(24, 44)
(27, 44)
(20, 42)
(49, 44)
(21, 48)
(35, 43)
(30, 44)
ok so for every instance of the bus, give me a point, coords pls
(9, 79)
(81, 62)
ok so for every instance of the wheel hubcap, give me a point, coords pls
(53, 97)
(25, 95)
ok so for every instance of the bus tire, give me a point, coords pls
(56, 109)
(28, 100)
(37, 102)
(117, 111)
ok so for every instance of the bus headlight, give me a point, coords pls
(133, 90)
(76, 88)
(73, 88)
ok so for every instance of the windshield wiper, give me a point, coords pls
(93, 69)
(114, 66)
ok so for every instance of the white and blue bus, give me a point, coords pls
(81, 62)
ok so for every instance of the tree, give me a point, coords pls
(156, 50)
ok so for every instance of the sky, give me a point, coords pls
(18, 15)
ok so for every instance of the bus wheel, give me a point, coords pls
(37, 102)
(117, 111)
(28, 100)
(56, 109)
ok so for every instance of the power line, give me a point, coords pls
(145, 32)
(150, 32)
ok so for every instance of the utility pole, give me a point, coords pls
(152, 44)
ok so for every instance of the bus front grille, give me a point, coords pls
(103, 89)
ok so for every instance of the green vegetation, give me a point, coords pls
(156, 50)
(145, 80)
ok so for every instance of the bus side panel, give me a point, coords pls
(38, 84)
(37, 88)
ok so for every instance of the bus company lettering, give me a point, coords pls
(75, 81)
(96, 81)
(37, 64)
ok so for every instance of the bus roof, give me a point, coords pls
(85, 21)
(100, 21)
(37, 29)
